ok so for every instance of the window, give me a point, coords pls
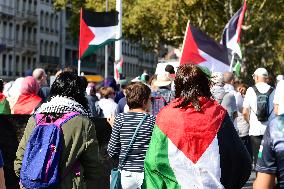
(34, 37)
(24, 33)
(24, 6)
(17, 65)
(41, 20)
(34, 63)
(56, 50)
(24, 64)
(29, 63)
(46, 21)
(46, 48)
(10, 30)
(29, 34)
(9, 69)
(56, 24)
(41, 47)
(51, 22)
(51, 49)
(4, 65)
(17, 32)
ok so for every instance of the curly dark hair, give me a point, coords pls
(70, 85)
(190, 84)
(137, 95)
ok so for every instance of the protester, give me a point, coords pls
(225, 99)
(194, 143)
(2, 178)
(255, 111)
(4, 104)
(79, 142)
(28, 99)
(41, 78)
(163, 95)
(137, 96)
(107, 103)
(270, 162)
(93, 100)
(278, 98)
(14, 92)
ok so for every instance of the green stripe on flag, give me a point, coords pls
(158, 173)
(92, 48)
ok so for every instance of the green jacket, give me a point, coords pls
(80, 142)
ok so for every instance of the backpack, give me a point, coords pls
(158, 102)
(40, 166)
(262, 112)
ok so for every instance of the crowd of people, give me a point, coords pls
(188, 128)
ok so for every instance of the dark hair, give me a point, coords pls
(169, 68)
(190, 84)
(1, 85)
(70, 85)
(137, 95)
(84, 81)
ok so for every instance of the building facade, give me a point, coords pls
(33, 34)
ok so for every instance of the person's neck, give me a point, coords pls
(137, 110)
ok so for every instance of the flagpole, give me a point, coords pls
(118, 44)
(79, 56)
(106, 52)
(232, 61)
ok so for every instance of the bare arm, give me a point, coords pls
(276, 109)
(246, 114)
(2, 179)
(264, 181)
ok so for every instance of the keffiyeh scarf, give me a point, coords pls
(61, 104)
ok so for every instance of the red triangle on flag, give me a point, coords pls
(190, 52)
(86, 36)
(195, 130)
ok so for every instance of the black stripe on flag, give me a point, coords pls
(100, 19)
(209, 46)
(231, 27)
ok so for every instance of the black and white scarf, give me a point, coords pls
(61, 105)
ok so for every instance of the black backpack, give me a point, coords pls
(262, 112)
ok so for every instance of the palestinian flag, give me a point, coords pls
(231, 39)
(118, 69)
(96, 30)
(201, 50)
(200, 150)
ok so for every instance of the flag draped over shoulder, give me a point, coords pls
(175, 157)
(118, 69)
(96, 30)
(231, 39)
(200, 49)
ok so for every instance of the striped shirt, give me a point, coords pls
(122, 132)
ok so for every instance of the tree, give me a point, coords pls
(155, 22)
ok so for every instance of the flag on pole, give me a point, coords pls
(96, 30)
(231, 39)
(200, 49)
(118, 69)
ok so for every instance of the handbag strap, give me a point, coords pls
(132, 141)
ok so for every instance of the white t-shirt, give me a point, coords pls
(256, 127)
(279, 97)
(108, 106)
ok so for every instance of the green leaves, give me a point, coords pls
(155, 22)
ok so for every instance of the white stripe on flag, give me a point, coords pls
(102, 34)
(213, 64)
(205, 174)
